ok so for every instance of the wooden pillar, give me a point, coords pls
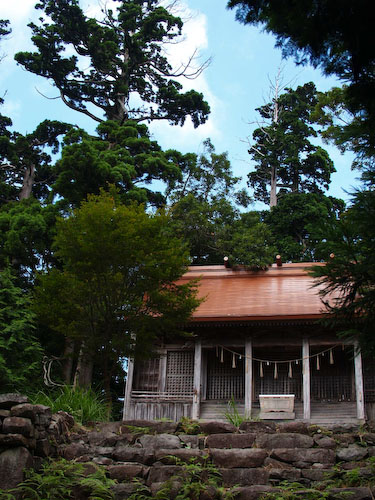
(197, 379)
(128, 390)
(162, 371)
(248, 377)
(358, 374)
(306, 379)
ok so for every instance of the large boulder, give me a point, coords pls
(184, 455)
(217, 427)
(129, 454)
(352, 452)
(13, 441)
(252, 492)
(165, 441)
(11, 399)
(18, 425)
(162, 473)
(244, 476)
(39, 415)
(123, 491)
(304, 456)
(359, 493)
(284, 440)
(230, 440)
(238, 458)
(298, 427)
(126, 472)
(12, 465)
(257, 427)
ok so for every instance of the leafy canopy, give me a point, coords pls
(20, 351)
(118, 67)
(118, 280)
(121, 154)
(284, 147)
(351, 273)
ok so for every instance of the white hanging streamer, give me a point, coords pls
(331, 360)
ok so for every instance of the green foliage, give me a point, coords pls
(60, 480)
(351, 273)
(120, 267)
(26, 232)
(85, 405)
(189, 426)
(296, 491)
(204, 202)
(194, 480)
(136, 429)
(248, 242)
(295, 223)
(122, 155)
(282, 148)
(338, 40)
(125, 73)
(26, 160)
(232, 414)
(20, 351)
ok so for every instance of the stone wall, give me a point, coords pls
(28, 434)
(253, 459)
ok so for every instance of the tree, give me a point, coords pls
(350, 274)
(118, 68)
(282, 150)
(338, 40)
(121, 154)
(204, 200)
(248, 242)
(20, 351)
(295, 224)
(26, 232)
(25, 165)
(117, 290)
(346, 126)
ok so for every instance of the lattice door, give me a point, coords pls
(283, 384)
(146, 375)
(180, 372)
(332, 382)
(224, 381)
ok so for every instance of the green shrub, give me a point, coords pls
(59, 480)
(83, 404)
(232, 414)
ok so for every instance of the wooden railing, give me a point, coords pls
(161, 396)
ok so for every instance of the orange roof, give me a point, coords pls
(238, 295)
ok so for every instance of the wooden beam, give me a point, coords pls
(128, 390)
(197, 379)
(358, 374)
(248, 377)
(306, 378)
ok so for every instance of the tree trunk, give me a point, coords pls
(68, 361)
(27, 183)
(83, 373)
(273, 194)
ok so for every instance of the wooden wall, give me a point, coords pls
(147, 410)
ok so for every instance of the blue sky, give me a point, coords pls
(244, 61)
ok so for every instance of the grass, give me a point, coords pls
(84, 405)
